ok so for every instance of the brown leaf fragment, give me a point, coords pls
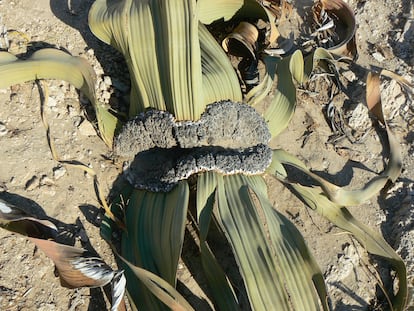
(373, 95)
(242, 41)
(14, 219)
(76, 267)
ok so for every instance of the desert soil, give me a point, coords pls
(31, 178)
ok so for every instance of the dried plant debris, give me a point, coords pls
(4, 41)
(229, 138)
(118, 285)
(14, 219)
(77, 267)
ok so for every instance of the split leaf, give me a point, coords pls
(283, 104)
(154, 238)
(276, 266)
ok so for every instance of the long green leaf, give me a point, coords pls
(339, 195)
(221, 289)
(373, 242)
(220, 81)
(212, 10)
(56, 64)
(283, 104)
(370, 239)
(160, 42)
(347, 197)
(238, 219)
(160, 288)
(298, 266)
(153, 241)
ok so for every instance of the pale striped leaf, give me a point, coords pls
(238, 218)
(154, 237)
(161, 45)
(298, 267)
(212, 10)
(56, 64)
(316, 199)
(283, 104)
(220, 81)
(221, 288)
(166, 293)
(372, 241)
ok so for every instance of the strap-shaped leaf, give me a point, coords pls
(298, 266)
(206, 187)
(370, 239)
(221, 289)
(283, 104)
(373, 242)
(76, 266)
(351, 197)
(153, 241)
(160, 288)
(343, 196)
(14, 219)
(160, 42)
(56, 64)
(220, 81)
(118, 285)
(272, 256)
(238, 219)
(47, 64)
(212, 10)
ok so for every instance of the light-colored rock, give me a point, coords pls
(359, 119)
(349, 272)
(32, 183)
(51, 102)
(86, 129)
(378, 56)
(59, 172)
(3, 129)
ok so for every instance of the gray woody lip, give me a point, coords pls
(229, 138)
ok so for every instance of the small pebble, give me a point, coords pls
(378, 56)
(77, 120)
(107, 80)
(51, 102)
(350, 76)
(32, 183)
(106, 96)
(59, 172)
(3, 129)
(86, 129)
(46, 181)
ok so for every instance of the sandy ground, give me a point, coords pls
(30, 177)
